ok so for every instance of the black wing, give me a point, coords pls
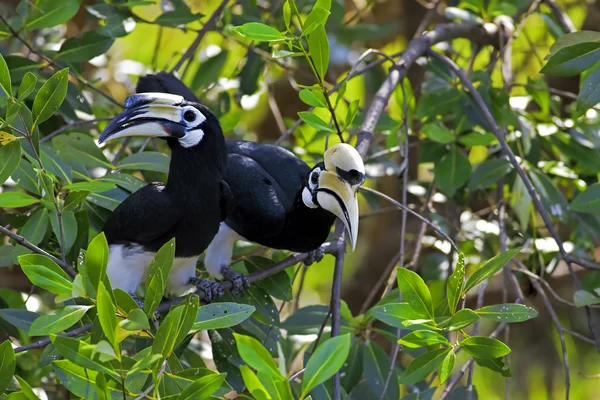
(256, 210)
(146, 217)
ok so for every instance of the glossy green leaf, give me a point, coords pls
(49, 13)
(259, 32)
(50, 96)
(573, 53)
(18, 317)
(158, 271)
(52, 279)
(319, 50)
(256, 355)
(438, 132)
(422, 338)
(96, 261)
(35, 228)
(583, 298)
(74, 199)
(456, 282)
(221, 315)
(447, 366)
(462, 319)
(315, 121)
(27, 85)
(277, 285)
(316, 18)
(415, 292)
(313, 98)
(484, 347)
(80, 353)
(589, 95)
(16, 199)
(64, 318)
(490, 268)
(107, 315)
(78, 380)
(327, 359)
(7, 365)
(507, 312)
(26, 392)
(91, 186)
(84, 47)
(376, 365)
(5, 82)
(10, 155)
(352, 110)
(395, 313)
(422, 366)
(452, 172)
(202, 388)
(175, 327)
(254, 385)
(146, 161)
(587, 201)
(136, 320)
(488, 173)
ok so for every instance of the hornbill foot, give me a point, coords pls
(239, 281)
(314, 256)
(212, 290)
(140, 304)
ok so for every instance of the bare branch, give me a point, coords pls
(561, 16)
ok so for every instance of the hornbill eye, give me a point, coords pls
(314, 178)
(189, 116)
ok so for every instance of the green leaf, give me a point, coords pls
(78, 380)
(319, 50)
(287, 13)
(221, 315)
(125, 181)
(181, 15)
(313, 98)
(203, 388)
(352, 110)
(84, 47)
(7, 365)
(583, 298)
(325, 362)
(278, 285)
(255, 386)
(490, 268)
(36, 226)
(587, 201)
(422, 366)
(51, 279)
(315, 121)
(50, 96)
(422, 338)
(376, 365)
(454, 287)
(80, 353)
(259, 32)
(572, 60)
(18, 317)
(16, 199)
(10, 156)
(507, 312)
(484, 347)
(91, 186)
(488, 173)
(107, 315)
(27, 85)
(589, 95)
(5, 83)
(452, 172)
(136, 321)
(159, 270)
(437, 132)
(175, 327)
(49, 13)
(462, 319)
(477, 139)
(317, 17)
(395, 313)
(64, 318)
(146, 161)
(96, 261)
(256, 355)
(495, 364)
(415, 292)
(27, 393)
(447, 366)
(74, 199)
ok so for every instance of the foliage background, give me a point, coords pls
(453, 172)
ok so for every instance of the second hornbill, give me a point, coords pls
(277, 200)
(189, 207)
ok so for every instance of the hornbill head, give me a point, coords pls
(333, 185)
(162, 115)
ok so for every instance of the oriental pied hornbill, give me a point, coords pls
(277, 200)
(188, 207)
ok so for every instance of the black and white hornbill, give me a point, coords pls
(277, 200)
(188, 207)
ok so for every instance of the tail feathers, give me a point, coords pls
(165, 82)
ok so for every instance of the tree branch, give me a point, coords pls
(561, 16)
(25, 243)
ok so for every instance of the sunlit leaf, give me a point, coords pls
(507, 312)
(50, 96)
(327, 359)
(484, 347)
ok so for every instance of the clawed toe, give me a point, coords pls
(314, 256)
(239, 281)
(212, 290)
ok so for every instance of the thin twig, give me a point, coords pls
(208, 26)
(561, 16)
(45, 342)
(25, 243)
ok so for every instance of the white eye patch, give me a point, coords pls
(191, 138)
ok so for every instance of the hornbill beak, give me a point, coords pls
(338, 185)
(147, 114)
